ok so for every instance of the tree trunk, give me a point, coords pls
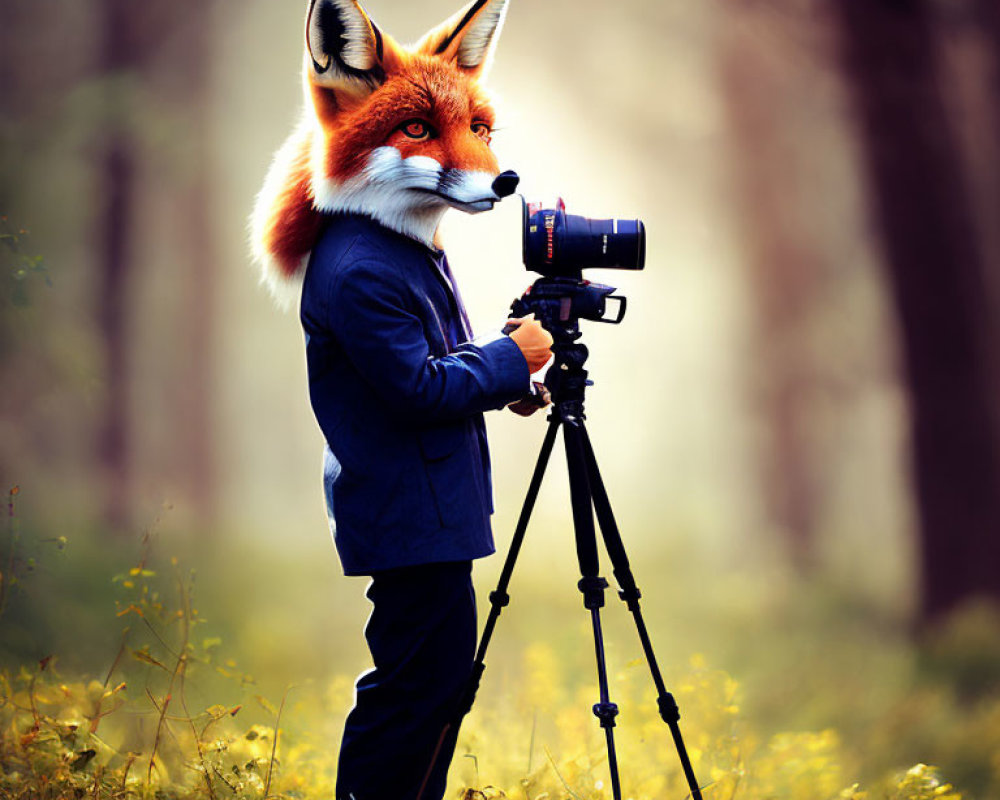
(166, 46)
(987, 18)
(936, 272)
(192, 463)
(782, 266)
(119, 52)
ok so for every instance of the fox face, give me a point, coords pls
(399, 134)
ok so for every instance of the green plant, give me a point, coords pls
(20, 265)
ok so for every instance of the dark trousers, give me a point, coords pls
(422, 637)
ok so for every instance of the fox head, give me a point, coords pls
(400, 134)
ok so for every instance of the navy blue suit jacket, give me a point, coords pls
(399, 394)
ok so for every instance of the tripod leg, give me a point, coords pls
(499, 597)
(629, 593)
(591, 584)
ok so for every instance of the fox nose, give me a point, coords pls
(505, 183)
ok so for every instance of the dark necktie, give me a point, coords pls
(466, 332)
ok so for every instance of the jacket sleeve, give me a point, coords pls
(385, 342)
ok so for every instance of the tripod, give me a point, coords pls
(567, 381)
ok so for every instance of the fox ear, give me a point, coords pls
(344, 45)
(469, 37)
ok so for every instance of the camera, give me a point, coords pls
(557, 244)
(560, 246)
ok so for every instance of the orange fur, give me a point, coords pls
(350, 112)
(423, 87)
(292, 229)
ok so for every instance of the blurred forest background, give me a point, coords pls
(798, 420)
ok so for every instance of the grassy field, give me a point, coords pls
(187, 668)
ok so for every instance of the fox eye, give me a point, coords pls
(416, 129)
(482, 130)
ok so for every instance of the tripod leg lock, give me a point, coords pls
(669, 712)
(500, 599)
(593, 591)
(606, 713)
(631, 597)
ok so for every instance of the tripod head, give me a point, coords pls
(559, 303)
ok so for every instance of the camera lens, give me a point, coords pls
(607, 243)
(556, 243)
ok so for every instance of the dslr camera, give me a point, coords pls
(560, 246)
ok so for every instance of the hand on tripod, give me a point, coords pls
(538, 397)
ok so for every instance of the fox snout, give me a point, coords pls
(473, 191)
(505, 183)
